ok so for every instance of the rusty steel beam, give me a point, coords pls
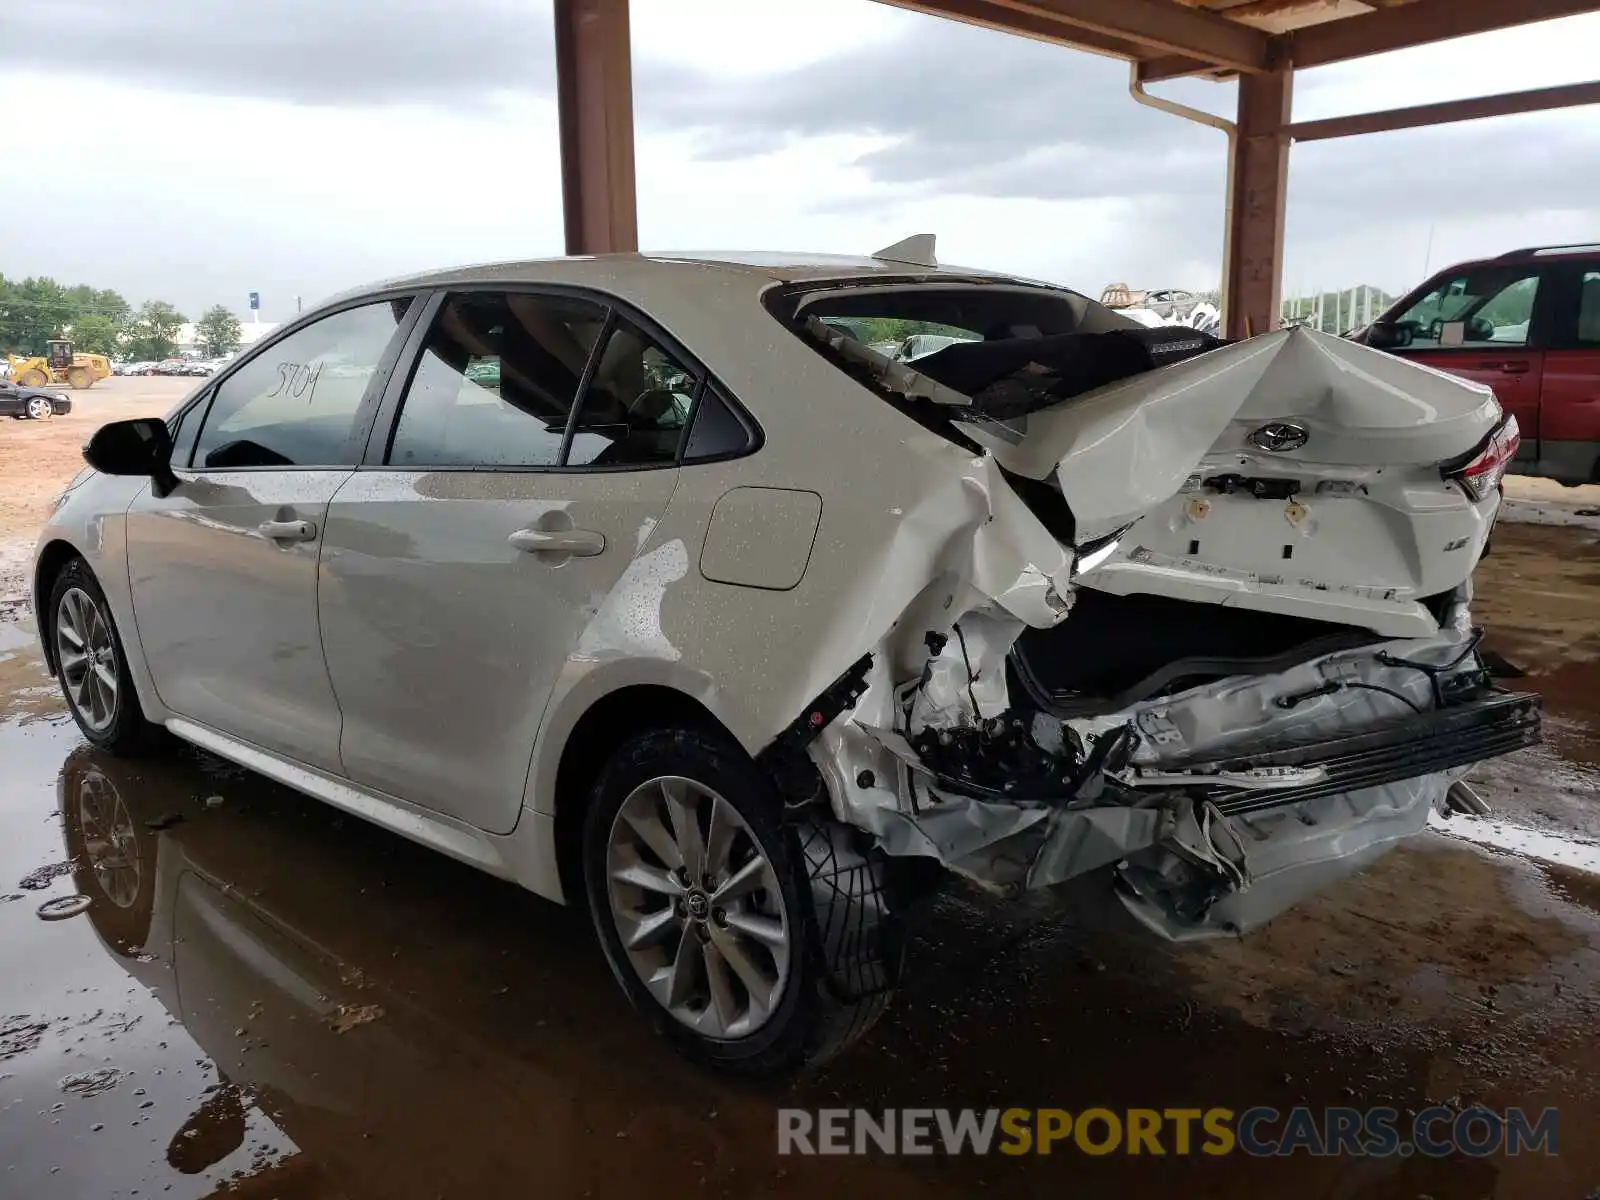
(1504, 105)
(1154, 26)
(1258, 184)
(1175, 66)
(1417, 25)
(594, 95)
(994, 14)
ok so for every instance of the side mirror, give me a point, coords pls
(141, 446)
(1388, 335)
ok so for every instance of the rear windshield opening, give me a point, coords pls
(954, 353)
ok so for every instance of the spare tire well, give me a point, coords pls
(609, 723)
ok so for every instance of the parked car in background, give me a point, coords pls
(29, 403)
(644, 583)
(919, 345)
(1527, 324)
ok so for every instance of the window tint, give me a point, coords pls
(717, 431)
(636, 406)
(295, 403)
(496, 381)
(1480, 309)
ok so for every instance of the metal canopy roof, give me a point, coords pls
(1261, 43)
(1170, 38)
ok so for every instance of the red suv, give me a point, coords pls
(1528, 325)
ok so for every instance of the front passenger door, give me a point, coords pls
(1485, 325)
(224, 568)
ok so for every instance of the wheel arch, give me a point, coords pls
(605, 725)
(52, 560)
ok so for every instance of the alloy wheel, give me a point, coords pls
(109, 840)
(698, 907)
(87, 655)
(39, 408)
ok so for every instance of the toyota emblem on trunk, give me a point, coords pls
(1280, 436)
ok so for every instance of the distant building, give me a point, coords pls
(250, 332)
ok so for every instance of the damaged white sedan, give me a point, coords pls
(654, 583)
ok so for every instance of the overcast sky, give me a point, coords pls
(198, 150)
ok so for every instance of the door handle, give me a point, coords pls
(580, 543)
(1510, 368)
(288, 531)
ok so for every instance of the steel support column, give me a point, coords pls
(1252, 275)
(594, 91)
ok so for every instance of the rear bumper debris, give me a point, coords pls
(1213, 810)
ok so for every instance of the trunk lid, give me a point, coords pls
(1294, 472)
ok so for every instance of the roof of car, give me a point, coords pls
(1584, 249)
(778, 267)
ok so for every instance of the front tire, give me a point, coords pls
(705, 902)
(92, 665)
(33, 378)
(39, 408)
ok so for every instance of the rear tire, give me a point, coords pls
(755, 981)
(80, 378)
(92, 665)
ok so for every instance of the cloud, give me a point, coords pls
(329, 52)
(953, 106)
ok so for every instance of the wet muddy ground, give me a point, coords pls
(265, 998)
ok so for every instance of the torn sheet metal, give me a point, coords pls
(1121, 450)
(1177, 865)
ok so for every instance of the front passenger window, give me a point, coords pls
(1487, 308)
(295, 404)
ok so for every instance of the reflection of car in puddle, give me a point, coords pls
(249, 925)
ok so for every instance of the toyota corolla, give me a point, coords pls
(650, 584)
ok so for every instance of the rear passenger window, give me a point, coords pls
(636, 406)
(1588, 333)
(495, 383)
(296, 402)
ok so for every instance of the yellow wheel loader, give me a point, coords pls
(59, 365)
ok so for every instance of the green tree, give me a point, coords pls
(153, 333)
(218, 331)
(32, 311)
(95, 333)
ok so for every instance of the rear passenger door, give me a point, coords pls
(1569, 407)
(467, 558)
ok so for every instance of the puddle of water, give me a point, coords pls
(287, 995)
(1566, 850)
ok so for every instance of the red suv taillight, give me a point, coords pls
(1481, 473)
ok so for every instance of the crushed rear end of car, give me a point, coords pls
(1193, 623)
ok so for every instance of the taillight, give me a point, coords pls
(1482, 473)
